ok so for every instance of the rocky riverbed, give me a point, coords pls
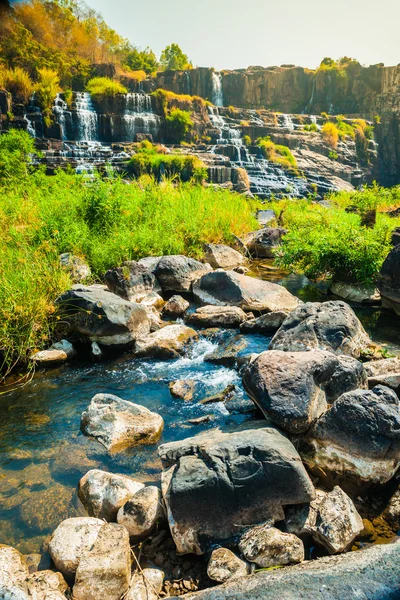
(198, 424)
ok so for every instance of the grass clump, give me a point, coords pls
(179, 124)
(330, 134)
(17, 82)
(277, 153)
(104, 86)
(149, 161)
(310, 127)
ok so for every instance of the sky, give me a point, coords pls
(230, 34)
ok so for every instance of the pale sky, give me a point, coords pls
(229, 34)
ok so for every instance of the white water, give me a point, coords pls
(60, 109)
(138, 117)
(217, 93)
(286, 122)
(87, 117)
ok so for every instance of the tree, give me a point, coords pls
(179, 123)
(142, 60)
(173, 58)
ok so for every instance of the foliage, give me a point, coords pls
(47, 88)
(179, 124)
(330, 133)
(310, 127)
(277, 153)
(148, 160)
(169, 100)
(142, 60)
(377, 119)
(246, 140)
(15, 148)
(333, 155)
(104, 86)
(17, 82)
(172, 58)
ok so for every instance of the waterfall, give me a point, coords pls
(227, 134)
(286, 122)
(87, 117)
(308, 108)
(217, 93)
(138, 117)
(60, 110)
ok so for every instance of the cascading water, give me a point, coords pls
(60, 111)
(138, 117)
(286, 122)
(217, 93)
(87, 117)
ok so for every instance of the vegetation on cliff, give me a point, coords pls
(277, 153)
(152, 160)
(105, 87)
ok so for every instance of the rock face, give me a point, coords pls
(176, 273)
(219, 483)
(217, 316)
(132, 281)
(263, 242)
(222, 257)
(13, 574)
(142, 512)
(267, 324)
(77, 268)
(389, 281)
(289, 386)
(268, 547)
(329, 326)
(176, 306)
(103, 317)
(70, 541)
(356, 443)
(369, 574)
(104, 570)
(119, 424)
(224, 565)
(47, 585)
(146, 585)
(227, 288)
(168, 342)
(103, 494)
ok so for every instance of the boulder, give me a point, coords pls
(47, 585)
(175, 307)
(224, 565)
(371, 574)
(176, 273)
(222, 257)
(217, 484)
(331, 519)
(152, 299)
(103, 494)
(75, 266)
(65, 346)
(13, 574)
(104, 570)
(356, 443)
(142, 513)
(227, 351)
(267, 547)
(132, 281)
(389, 280)
(263, 242)
(168, 342)
(94, 312)
(217, 316)
(349, 375)
(183, 388)
(267, 324)
(49, 358)
(227, 288)
(288, 387)
(384, 372)
(392, 510)
(154, 318)
(119, 424)
(329, 326)
(352, 292)
(70, 541)
(146, 585)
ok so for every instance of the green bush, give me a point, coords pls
(310, 127)
(47, 88)
(15, 148)
(104, 86)
(247, 140)
(277, 153)
(17, 82)
(333, 155)
(179, 124)
(148, 161)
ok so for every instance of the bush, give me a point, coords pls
(333, 155)
(277, 153)
(17, 82)
(247, 140)
(330, 133)
(148, 161)
(310, 127)
(15, 149)
(104, 86)
(179, 123)
(47, 88)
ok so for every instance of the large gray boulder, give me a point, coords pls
(289, 386)
(222, 257)
(119, 424)
(356, 443)
(329, 326)
(95, 313)
(216, 484)
(228, 288)
(370, 574)
(349, 374)
(176, 273)
(263, 242)
(132, 281)
(13, 574)
(217, 316)
(168, 342)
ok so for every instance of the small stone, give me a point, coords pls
(222, 257)
(268, 547)
(143, 512)
(66, 347)
(176, 307)
(229, 392)
(183, 388)
(48, 358)
(224, 565)
(96, 351)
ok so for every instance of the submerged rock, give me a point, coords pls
(146, 585)
(176, 273)
(132, 281)
(168, 342)
(143, 512)
(119, 424)
(329, 326)
(222, 257)
(227, 288)
(217, 484)
(263, 242)
(13, 574)
(217, 316)
(268, 547)
(175, 307)
(224, 565)
(103, 494)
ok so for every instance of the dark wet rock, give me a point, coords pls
(229, 392)
(132, 281)
(94, 312)
(349, 375)
(267, 324)
(104, 571)
(267, 547)
(227, 288)
(263, 242)
(103, 494)
(183, 388)
(142, 513)
(371, 574)
(167, 343)
(119, 424)
(222, 257)
(217, 484)
(392, 510)
(217, 316)
(356, 443)
(175, 307)
(389, 280)
(75, 266)
(224, 565)
(329, 326)
(227, 351)
(176, 273)
(288, 387)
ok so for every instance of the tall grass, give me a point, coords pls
(104, 86)
(17, 82)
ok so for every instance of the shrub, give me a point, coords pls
(330, 133)
(150, 161)
(333, 155)
(377, 119)
(17, 82)
(310, 127)
(47, 88)
(277, 153)
(15, 149)
(104, 86)
(179, 123)
(246, 140)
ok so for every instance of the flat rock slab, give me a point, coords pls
(371, 574)
(217, 316)
(168, 342)
(222, 257)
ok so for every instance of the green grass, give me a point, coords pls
(148, 161)
(277, 153)
(105, 87)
